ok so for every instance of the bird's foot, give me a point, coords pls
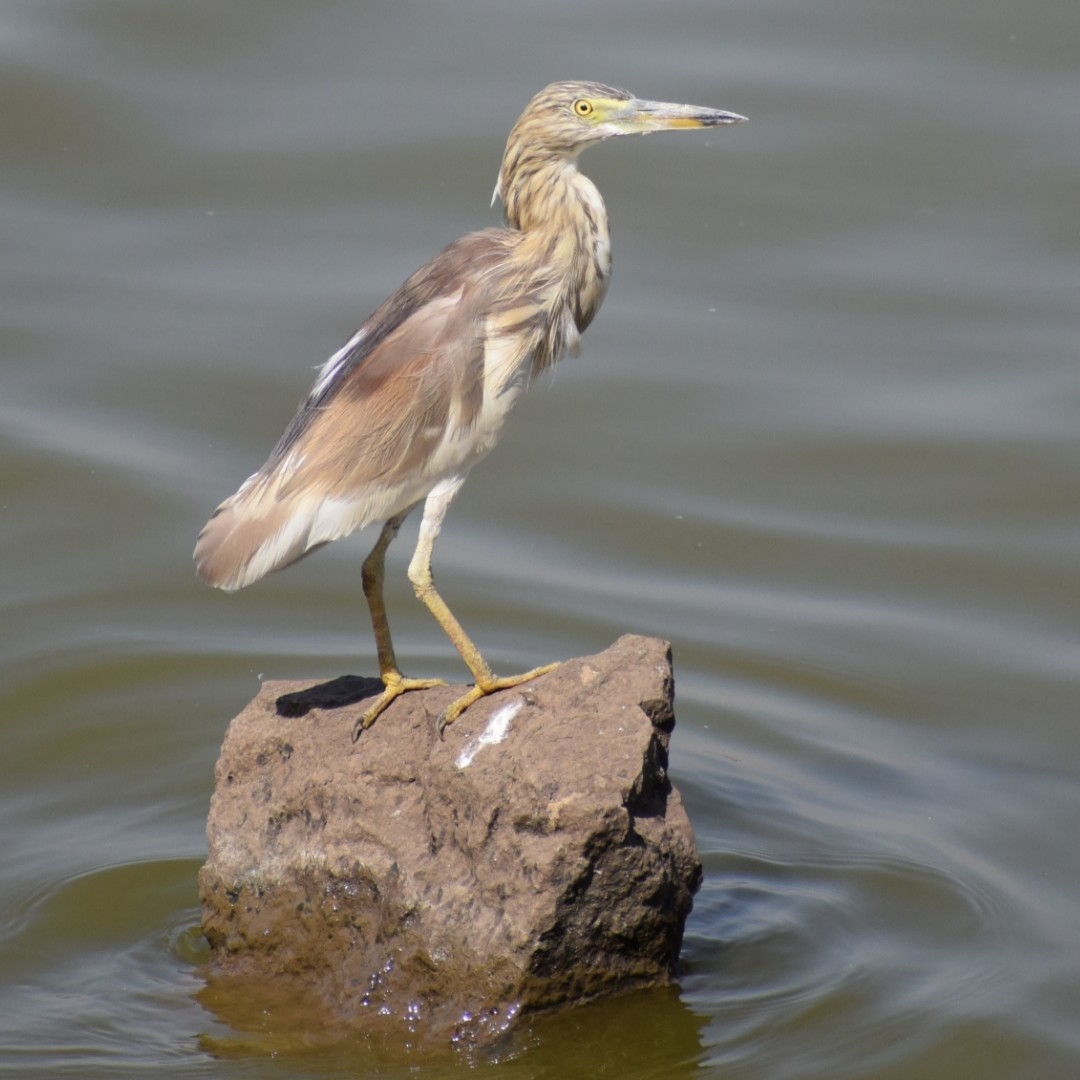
(395, 684)
(484, 687)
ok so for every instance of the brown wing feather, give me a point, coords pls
(387, 415)
(468, 261)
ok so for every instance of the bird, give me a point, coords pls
(401, 413)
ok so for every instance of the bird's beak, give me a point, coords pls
(641, 116)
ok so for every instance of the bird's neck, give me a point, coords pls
(563, 217)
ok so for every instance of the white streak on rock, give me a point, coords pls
(497, 729)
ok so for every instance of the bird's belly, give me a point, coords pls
(471, 434)
(462, 446)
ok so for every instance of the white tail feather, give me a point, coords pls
(251, 535)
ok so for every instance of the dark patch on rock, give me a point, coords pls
(334, 694)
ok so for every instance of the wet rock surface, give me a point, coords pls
(536, 857)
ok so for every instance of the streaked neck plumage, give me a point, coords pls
(565, 221)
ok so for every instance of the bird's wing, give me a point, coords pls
(367, 441)
(383, 418)
(467, 262)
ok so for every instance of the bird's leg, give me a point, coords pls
(394, 683)
(420, 575)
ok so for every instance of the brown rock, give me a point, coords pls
(537, 856)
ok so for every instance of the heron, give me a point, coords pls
(401, 413)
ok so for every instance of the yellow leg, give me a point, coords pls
(394, 683)
(420, 576)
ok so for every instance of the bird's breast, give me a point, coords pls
(509, 358)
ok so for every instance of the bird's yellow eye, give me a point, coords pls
(583, 107)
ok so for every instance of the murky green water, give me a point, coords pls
(823, 437)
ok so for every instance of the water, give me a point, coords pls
(823, 437)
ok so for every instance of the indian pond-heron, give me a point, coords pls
(421, 391)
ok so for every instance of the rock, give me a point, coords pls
(536, 857)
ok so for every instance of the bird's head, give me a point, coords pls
(566, 117)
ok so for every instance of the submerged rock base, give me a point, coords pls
(537, 857)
